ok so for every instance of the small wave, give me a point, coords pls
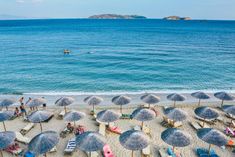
(126, 92)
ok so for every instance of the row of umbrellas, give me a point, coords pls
(122, 99)
(132, 140)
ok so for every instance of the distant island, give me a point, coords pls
(176, 18)
(115, 16)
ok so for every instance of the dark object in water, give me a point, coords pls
(66, 51)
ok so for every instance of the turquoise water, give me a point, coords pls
(116, 55)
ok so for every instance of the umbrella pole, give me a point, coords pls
(149, 105)
(6, 108)
(209, 150)
(89, 154)
(74, 123)
(174, 103)
(45, 154)
(40, 126)
(222, 103)
(132, 153)
(65, 110)
(1, 155)
(199, 102)
(142, 125)
(173, 149)
(203, 123)
(93, 106)
(121, 109)
(4, 126)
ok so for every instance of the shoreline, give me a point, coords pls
(51, 98)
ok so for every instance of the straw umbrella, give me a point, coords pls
(121, 100)
(143, 114)
(39, 117)
(199, 96)
(36, 102)
(5, 115)
(176, 97)
(206, 113)
(108, 116)
(93, 100)
(7, 102)
(134, 140)
(74, 116)
(150, 99)
(212, 136)
(175, 114)
(64, 101)
(43, 142)
(7, 138)
(176, 137)
(229, 109)
(224, 96)
(90, 141)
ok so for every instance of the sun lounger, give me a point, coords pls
(195, 125)
(205, 125)
(22, 139)
(201, 152)
(107, 152)
(27, 128)
(147, 130)
(146, 152)
(137, 127)
(163, 152)
(61, 114)
(14, 149)
(64, 132)
(170, 123)
(211, 122)
(102, 129)
(54, 149)
(71, 145)
(125, 116)
(114, 129)
(230, 116)
(93, 154)
(177, 124)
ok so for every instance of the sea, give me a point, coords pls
(116, 56)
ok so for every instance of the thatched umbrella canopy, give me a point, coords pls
(176, 137)
(43, 142)
(150, 99)
(36, 102)
(200, 95)
(39, 117)
(7, 138)
(134, 140)
(5, 115)
(93, 100)
(176, 97)
(206, 113)
(175, 114)
(7, 102)
(64, 101)
(74, 116)
(143, 114)
(212, 136)
(229, 109)
(121, 100)
(90, 141)
(224, 96)
(108, 116)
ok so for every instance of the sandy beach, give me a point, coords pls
(113, 139)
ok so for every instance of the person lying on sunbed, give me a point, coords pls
(70, 127)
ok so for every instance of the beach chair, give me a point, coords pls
(137, 127)
(125, 116)
(146, 152)
(211, 122)
(195, 125)
(70, 147)
(27, 128)
(54, 149)
(201, 152)
(107, 152)
(92, 154)
(176, 124)
(65, 131)
(14, 149)
(102, 129)
(163, 152)
(205, 125)
(22, 139)
(61, 114)
(147, 130)
(230, 116)
(114, 129)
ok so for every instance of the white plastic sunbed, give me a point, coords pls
(21, 138)
(93, 154)
(54, 149)
(27, 128)
(102, 129)
(70, 146)
(61, 114)
(205, 125)
(195, 125)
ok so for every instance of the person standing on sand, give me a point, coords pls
(23, 110)
(21, 100)
(30, 99)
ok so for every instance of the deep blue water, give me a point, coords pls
(116, 55)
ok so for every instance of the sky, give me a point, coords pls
(196, 9)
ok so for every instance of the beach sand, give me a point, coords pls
(113, 139)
